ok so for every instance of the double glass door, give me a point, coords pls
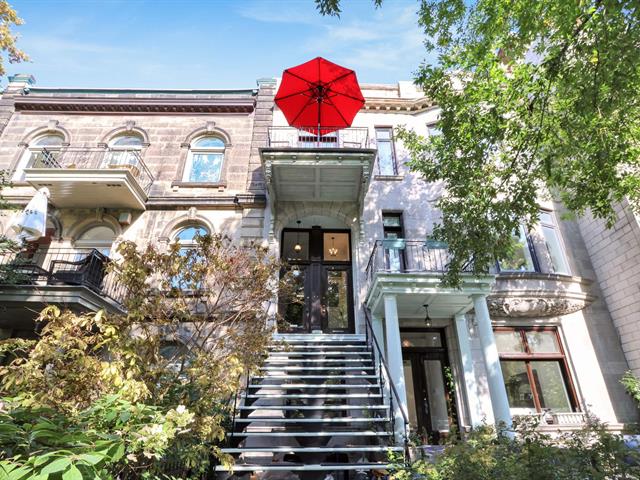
(320, 296)
(430, 399)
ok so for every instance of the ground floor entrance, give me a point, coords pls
(429, 384)
(318, 268)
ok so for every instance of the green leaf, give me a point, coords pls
(72, 473)
(56, 466)
(92, 458)
(116, 452)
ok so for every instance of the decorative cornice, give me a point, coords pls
(535, 306)
(391, 105)
(210, 202)
(238, 104)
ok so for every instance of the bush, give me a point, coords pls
(592, 453)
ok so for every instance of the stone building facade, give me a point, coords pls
(548, 333)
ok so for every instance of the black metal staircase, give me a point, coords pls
(322, 403)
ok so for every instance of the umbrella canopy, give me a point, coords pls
(319, 96)
(31, 224)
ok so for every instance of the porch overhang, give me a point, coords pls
(413, 290)
(89, 188)
(317, 174)
(20, 304)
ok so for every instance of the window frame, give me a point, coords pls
(556, 228)
(529, 245)
(528, 357)
(188, 162)
(394, 156)
(26, 158)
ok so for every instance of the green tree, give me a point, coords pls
(156, 382)
(535, 97)
(8, 20)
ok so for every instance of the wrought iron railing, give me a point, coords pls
(95, 158)
(60, 266)
(409, 256)
(386, 380)
(290, 137)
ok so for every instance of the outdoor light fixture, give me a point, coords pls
(297, 247)
(333, 251)
(427, 318)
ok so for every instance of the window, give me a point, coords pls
(187, 238)
(553, 243)
(204, 161)
(42, 152)
(100, 237)
(535, 370)
(393, 241)
(386, 152)
(124, 151)
(522, 258)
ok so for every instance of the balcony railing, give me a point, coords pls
(409, 256)
(60, 266)
(290, 137)
(95, 158)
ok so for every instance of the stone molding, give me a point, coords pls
(524, 295)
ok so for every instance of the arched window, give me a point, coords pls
(100, 237)
(204, 161)
(186, 236)
(43, 151)
(124, 151)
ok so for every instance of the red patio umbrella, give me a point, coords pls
(319, 96)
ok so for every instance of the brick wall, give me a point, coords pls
(615, 255)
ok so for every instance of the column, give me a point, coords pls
(394, 361)
(470, 386)
(378, 330)
(497, 390)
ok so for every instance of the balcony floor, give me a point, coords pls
(89, 188)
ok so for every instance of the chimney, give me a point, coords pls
(20, 83)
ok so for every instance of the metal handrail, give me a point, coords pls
(293, 137)
(373, 341)
(95, 158)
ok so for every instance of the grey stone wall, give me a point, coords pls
(614, 254)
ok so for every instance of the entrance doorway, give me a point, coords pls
(319, 262)
(430, 396)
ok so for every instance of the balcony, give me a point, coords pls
(413, 269)
(75, 278)
(90, 178)
(300, 166)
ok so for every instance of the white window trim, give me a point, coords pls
(202, 151)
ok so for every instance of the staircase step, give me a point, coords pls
(338, 348)
(297, 467)
(314, 395)
(339, 361)
(328, 353)
(313, 420)
(366, 448)
(293, 386)
(319, 337)
(330, 368)
(314, 407)
(281, 433)
(297, 377)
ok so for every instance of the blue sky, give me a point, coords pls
(210, 43)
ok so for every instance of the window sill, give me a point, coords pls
(199, 184)
(389, 178)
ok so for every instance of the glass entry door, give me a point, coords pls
(320, 297)
(427, 375)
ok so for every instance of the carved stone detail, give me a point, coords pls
(534, 306)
